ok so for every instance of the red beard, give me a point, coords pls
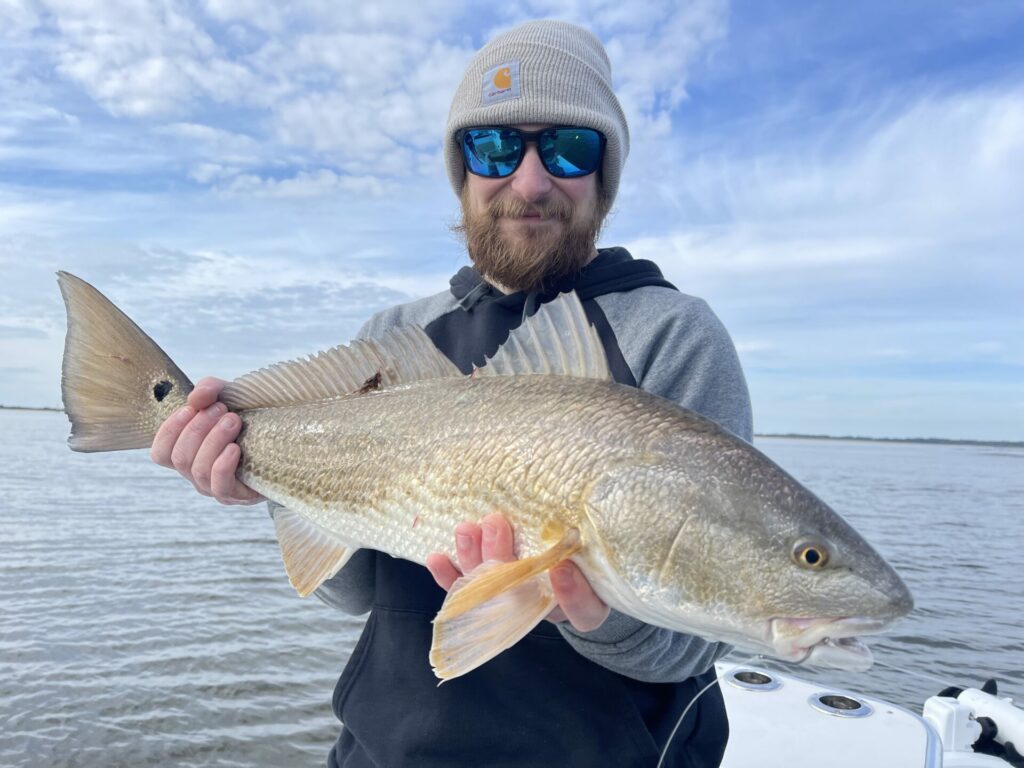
(539, 256)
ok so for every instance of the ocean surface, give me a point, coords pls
(144, 624)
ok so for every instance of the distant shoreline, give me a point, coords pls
(915, 440)
(785, 436)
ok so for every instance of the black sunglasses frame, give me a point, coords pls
(528, 137)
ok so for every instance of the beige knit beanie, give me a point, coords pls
(540, 72)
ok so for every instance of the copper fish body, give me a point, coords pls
(385, 445)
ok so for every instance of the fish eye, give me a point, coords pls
(810, 554)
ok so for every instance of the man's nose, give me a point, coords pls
(531, 181)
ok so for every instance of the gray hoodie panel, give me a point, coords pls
(420, 312)
(677, 348)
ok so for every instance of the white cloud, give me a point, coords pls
(17, 17)
(136, 59)
(749, 249)
(751, 347)
(374, 118)
(204, 173)
(941, 174)
(306, 184)
(24, 214)
(223, 153)
(364, 89)
(206, 134)
(989, 349)
(268, 17)
(652, 46)
(653, 57)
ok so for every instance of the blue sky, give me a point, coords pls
(844, 183)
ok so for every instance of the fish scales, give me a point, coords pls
(442, 452)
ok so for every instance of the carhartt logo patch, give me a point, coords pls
(501, 83)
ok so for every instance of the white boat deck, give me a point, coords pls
(778, 721)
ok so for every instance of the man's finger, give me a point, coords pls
(492, 539)
(467, 546)
(584, 609)
(224, 486)
(442, 569)
(497, 542)
(187, 445)
(224, 432)
(205, 393)
(167, 435)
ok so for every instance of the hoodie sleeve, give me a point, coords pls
(675, 347)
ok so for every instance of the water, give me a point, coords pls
(142, 623)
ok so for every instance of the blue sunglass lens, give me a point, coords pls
(571, 152)
(492, 152)
(565, 152)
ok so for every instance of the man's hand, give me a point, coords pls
(492, 539)
(199, 442)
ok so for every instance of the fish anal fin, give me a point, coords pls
(311, 555)
(463, 643)
(493, 607)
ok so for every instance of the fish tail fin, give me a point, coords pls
(118, 386)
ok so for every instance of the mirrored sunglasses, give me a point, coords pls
(567, 153)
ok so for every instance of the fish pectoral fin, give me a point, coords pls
(311, 555)
(493, 607)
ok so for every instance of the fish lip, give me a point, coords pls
(800, 639)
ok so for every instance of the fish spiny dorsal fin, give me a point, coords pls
(401, 356)
(558, 340)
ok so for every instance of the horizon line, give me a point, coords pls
(783, 435)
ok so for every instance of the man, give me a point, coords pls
(535, 144)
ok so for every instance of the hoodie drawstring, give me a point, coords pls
(472, 298)
(530, 304)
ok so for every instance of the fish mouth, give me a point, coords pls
(825, 642)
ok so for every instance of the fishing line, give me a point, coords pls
(718, 678)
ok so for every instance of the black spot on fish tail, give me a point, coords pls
(162, 389)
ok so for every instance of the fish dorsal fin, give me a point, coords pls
(558, 340)
(401, 356)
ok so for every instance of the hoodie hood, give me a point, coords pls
(613, 270)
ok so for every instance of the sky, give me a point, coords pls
(843, 183)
